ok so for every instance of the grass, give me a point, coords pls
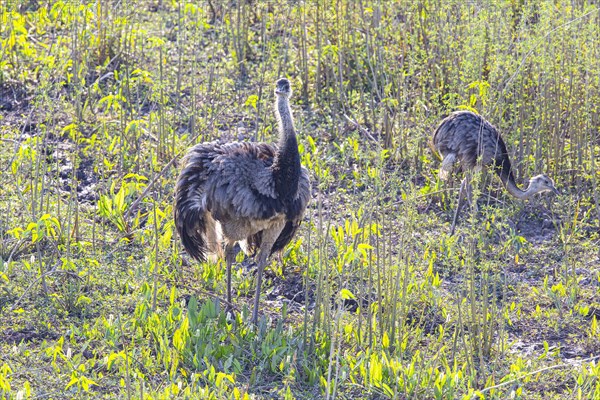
(373, 298)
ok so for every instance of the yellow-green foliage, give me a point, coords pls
(373, 298)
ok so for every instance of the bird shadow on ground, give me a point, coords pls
(535, 227)
(11, 336)
(14, 100)
(533, 222)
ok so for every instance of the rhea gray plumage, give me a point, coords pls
(254, 194)
(468, 138)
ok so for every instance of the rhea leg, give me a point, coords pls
(444, 173)
(464, 189)
(268, 239)
(229, 259)
(261, 265)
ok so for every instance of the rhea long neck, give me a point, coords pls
(286, 166)
(509, 182)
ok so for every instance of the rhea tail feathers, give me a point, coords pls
(200, 233)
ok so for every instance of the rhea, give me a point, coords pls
(469, 139)
(254, 194)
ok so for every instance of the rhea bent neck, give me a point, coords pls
(516, 191)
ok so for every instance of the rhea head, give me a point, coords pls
(541, 183)
(283, 87)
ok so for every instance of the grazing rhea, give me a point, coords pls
(468, 138)
(251, 193)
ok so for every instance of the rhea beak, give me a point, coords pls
(556, 192)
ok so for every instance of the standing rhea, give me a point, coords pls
(468, 138)
(254, 194)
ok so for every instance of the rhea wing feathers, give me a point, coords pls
(241, 183)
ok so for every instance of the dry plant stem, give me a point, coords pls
(147, 189)
(305, 282)
(17, 143)
(127, 375)
(155, 271)
(14, 250)
(362, 130)
(47, 273)
(539, 371)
